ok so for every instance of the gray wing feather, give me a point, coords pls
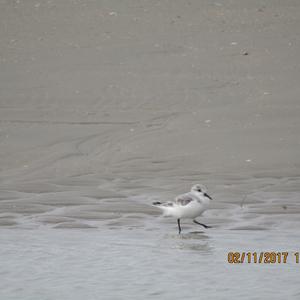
(168, 204)
(184, 199)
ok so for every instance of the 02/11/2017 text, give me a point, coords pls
(262, 257)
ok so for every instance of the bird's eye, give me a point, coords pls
(199, 190)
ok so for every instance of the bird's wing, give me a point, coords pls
(184, 199)
(166, 204)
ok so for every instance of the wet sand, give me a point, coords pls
(106, 106)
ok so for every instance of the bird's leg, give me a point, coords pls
(179, 228)
(205, 226)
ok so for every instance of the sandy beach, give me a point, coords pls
(107, 106)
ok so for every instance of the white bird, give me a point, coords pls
(187, 206)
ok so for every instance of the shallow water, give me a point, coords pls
(113, 264)
(100, 238)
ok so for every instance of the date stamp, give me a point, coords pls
(262, 257)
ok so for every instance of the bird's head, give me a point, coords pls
(200, 188)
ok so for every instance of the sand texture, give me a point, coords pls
(114, 99)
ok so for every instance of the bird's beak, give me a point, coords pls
(207, 196)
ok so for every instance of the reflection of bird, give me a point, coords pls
(187, 206)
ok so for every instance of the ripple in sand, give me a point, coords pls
(7, 222)
(74, 225)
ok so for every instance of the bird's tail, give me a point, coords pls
(165, 209)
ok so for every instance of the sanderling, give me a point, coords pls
(187, 206)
